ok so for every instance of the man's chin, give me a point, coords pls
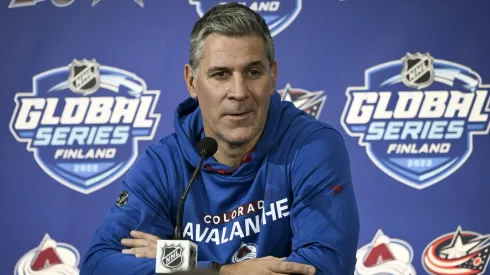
(238, 137)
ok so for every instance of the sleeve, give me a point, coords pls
(147, 209)
(324, 214)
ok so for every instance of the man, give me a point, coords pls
(277, 196)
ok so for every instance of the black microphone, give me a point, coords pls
(206, 148)
(178, 254)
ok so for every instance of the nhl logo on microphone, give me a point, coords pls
(175, 255)
(172, 256)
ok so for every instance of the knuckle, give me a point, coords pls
(305, 269)
(286, 266)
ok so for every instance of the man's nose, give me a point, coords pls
(239, 89)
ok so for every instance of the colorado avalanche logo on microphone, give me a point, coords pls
(83, 122)
(417, 117)
(277, 14)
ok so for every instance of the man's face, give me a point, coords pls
(233, 86)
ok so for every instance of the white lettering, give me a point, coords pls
(35, 112)
(358, 112)
(240, 228)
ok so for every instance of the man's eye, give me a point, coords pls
(220, 74)
(254, 73)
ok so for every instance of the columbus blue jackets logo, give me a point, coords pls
(172, 256)
(277, 14)
(83, 121)
(385, 256)
(457, 253)
(310, 102)
(417, 117)
(50, 257)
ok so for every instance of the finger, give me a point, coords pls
(134, 251)
(290, 267)
(141, 252)
(142, 235)
(138, 243)
(150, 253)
(267, 258)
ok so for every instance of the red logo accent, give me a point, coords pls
(378, 255)
(45, 259)
(337, 189)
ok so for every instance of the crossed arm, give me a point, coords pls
(324, 218)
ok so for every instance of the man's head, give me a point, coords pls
(232, 72)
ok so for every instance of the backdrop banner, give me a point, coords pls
(89, 84)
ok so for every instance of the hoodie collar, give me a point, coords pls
(189, 129)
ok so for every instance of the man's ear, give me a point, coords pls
(189, 81)
(274, 77)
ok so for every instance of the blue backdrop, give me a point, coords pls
(88, 84)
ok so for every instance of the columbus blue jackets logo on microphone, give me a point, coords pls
(457, 253)
(172, 257)
(310, 102)
(83, 121)
(277, 14)
(417, 117)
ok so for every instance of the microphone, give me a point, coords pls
(178, 254)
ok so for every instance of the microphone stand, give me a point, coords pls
(180, 211)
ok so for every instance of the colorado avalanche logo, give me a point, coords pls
(277, 14)
(50, 257)
(310, 102)
(457, 253)
(244, 252)
(83, 122)
(385, 255)
(418, 137)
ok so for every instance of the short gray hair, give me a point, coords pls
(231, 19)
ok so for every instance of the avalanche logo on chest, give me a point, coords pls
(277, 14)
(83, 122)
(417, 117)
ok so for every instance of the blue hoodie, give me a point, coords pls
(293, 198)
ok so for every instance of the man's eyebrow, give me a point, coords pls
(257, 63)
(218, 68)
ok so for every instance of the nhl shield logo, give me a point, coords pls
(172, 257)
(418, 70)
(84, 78)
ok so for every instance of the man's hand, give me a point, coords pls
(143, 245)
(267, 265)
